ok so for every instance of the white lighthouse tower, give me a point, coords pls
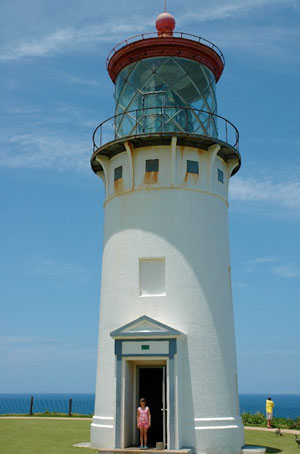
(166, 320)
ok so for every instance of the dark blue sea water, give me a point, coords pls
(286, 405)
(20, 403)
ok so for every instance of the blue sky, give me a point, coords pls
(55, 91)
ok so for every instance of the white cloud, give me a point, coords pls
(70, 37)
(41, 364)
(25, 110)
(12, 341)
(269, 40)
(82, 81)
(46, 151)
(239, 284)
(238, 29)
(55, 268)
(260, 260)
(282, 269)
(225, 10)
(38, 351)
(282, 195)
(288, 271)
(48, 268)
(292, 352)
(276, 44)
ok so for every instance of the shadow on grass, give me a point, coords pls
(270, 449)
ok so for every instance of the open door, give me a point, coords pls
(152, 386)
(164, 406)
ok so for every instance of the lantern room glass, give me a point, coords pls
(165, 94)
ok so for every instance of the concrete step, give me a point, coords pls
(245, 450)
(253, 450)
(135, 450)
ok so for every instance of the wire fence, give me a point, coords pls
(279, 412)
(31, 405)
(85, 406)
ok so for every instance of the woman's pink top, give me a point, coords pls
(143, 415)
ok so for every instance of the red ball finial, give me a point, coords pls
(165, 24)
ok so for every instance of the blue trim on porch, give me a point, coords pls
(167, 334)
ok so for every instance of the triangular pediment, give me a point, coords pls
(145, 327)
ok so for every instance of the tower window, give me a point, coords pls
(192, 167)
(152, 276)
(152, 165)
(220, 176)
(118, 172)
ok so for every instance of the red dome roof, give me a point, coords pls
(165, 24)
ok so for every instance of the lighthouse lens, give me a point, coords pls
(165, 94)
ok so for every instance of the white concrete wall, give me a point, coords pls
(182, 218)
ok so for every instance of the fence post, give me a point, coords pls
(31, 406)
(70, 407)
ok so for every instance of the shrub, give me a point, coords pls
(256, 419)
(259, 419)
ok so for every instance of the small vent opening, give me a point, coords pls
(220, 176)
(152, 165)
(118, 173)
(192, 167)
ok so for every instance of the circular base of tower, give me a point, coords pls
(226, 151)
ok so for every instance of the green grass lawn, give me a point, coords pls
(40, 436)
(284, 445)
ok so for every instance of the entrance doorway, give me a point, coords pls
(152, 386)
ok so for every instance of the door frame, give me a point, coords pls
(145, 339)
(121, 391)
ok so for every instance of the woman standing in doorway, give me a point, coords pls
(143, 419)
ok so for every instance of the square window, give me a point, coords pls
(192, 167)
(221, 176)
(152, 277)
(118, 173)
(152, 165)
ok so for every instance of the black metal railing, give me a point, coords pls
(165, 119)
(84, 404)
(190, 36)
(46, 404)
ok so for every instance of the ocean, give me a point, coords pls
(286, 405)
(20, 403)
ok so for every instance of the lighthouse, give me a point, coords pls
(166, 328)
